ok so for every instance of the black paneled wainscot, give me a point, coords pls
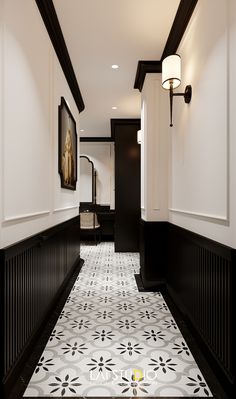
(199, 275)
(33, 274)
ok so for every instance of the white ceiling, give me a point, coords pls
(99, 33)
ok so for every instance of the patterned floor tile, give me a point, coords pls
(112, 340)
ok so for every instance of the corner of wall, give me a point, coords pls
(154, 152)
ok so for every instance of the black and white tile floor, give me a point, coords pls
(112, 340)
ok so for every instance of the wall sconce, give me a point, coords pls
(171, 79)
(139, 136)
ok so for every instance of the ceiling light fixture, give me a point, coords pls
(171, 79)
(82, 130)
(114, 107)
(115, 66)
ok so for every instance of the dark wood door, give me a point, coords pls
(127, 184)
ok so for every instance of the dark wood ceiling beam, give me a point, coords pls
(182, 18)
(50, 19)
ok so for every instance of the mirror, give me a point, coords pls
(87, 180)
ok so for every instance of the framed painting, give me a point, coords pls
(67, 154)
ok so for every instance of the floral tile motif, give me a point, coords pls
(169, 323)
(195, 383)
(130, 349)
(181, 349)
(65, 385)
(128, 324)
(112, 340)
(72, 350)
(103, 336)
(59, 334)
(126, 307)
(134, 386)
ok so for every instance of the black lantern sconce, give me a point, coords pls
(171, 79)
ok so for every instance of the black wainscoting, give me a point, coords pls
(200, 278)
(107, 220)
(33, 273)
(153, 253)
(127, 184)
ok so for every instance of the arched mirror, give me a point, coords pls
(88, 217)
(97, 185)
(87, 181)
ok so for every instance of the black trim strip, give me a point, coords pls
(182, 18)
(96, 139)
(143, 68)
(50, 19)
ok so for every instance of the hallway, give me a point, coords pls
(111, 339)
(144, 90)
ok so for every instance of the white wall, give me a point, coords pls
(32, 83)
(202, 190)
(1, 107)
(154, 151)
(102, 155)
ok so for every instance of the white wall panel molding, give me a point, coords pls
(31, 84)
(200, 136)
(26, 138)
(66, 208)
(201, 215)
(32, 215)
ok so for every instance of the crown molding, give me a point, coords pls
(143, 68)
(182, 18)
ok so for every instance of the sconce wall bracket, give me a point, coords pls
(187, 98)
(187, 94)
